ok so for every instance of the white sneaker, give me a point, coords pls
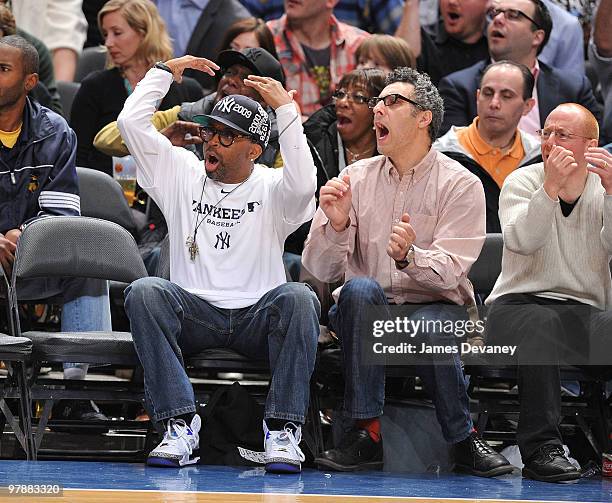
(283, 453)
(180, 440)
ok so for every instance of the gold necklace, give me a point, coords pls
(355, 156)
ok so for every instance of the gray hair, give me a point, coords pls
(425, 94)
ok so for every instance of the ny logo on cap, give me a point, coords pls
(226, 104)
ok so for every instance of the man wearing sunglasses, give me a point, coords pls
(518, 30)
(403, 228)
(554, 293)
(227, 221)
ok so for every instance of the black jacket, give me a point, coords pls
(99, 101)
(38, 175)
(458, 90)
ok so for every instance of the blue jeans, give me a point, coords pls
(85, 304)
(169, 323)
(364, 388)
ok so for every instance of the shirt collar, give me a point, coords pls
(483, 148)
(418, 171)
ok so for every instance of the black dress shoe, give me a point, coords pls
(549, 464)
(473, 455)
(357, 451)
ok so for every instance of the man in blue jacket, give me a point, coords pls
(518, 31)
(38, 178)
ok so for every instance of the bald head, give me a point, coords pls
(587, 123)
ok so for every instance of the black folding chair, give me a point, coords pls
(76, 247)
(15, 352)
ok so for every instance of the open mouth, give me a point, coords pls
(343, 122)
(211, 162)
(453, 16)
(496, 34)
(381, 132)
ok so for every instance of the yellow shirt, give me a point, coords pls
(499, 164)
(9, 138)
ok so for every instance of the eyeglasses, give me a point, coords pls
(560, 134)
(391, 99)
(226, 136)
(359, 99)
(510, 14)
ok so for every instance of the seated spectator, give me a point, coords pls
(518, 30)
(339, 135)
(135, 37)
(250, 32)
(436, 212)
(230, 269)
(492, 146)
(455, 42)
(600, 56)
(60, 25)
(40, 179)
(235, 67)
(197, 28)
(315, 50)
(384, 52)
(554, 292)
(45, 91)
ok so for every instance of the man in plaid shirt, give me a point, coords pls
(315, 50)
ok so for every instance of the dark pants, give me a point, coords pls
(546, 331)
(364, 388)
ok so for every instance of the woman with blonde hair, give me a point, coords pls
(384, 52)
(136, 38)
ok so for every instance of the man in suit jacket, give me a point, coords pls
(198, 28)
(518, 31)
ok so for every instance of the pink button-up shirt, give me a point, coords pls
(446, 204)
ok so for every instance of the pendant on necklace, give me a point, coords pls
(192, 247)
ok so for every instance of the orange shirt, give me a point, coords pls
(499, 164)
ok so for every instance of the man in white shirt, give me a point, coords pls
(227, 224)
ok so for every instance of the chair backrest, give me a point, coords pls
(487, 268)
(67, 92)
(163, 265)
(77, 247)
(90, 60)
(102, 197)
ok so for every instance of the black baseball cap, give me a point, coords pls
(257, 59)
(242, 114)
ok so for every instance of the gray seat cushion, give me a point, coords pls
(17, 346)
(91, 347)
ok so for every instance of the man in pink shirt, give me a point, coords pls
(403, 228)
(315, 50)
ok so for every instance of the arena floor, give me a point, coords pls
(132, 482)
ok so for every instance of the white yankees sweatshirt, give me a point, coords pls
(242, 234)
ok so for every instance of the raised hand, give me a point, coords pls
(600, 163)
(559, 165)
(335, 199)
(177, 131)
(401, 239)
(272, 91)
(179, 65)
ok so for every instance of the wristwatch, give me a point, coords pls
(402, 264)
(162, 66)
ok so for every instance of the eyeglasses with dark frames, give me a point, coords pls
(359, 99)
(226, 136)
(510, 14)
(391, 99)
(560, 134)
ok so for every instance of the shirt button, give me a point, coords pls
(401, 193)
(396, 274)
